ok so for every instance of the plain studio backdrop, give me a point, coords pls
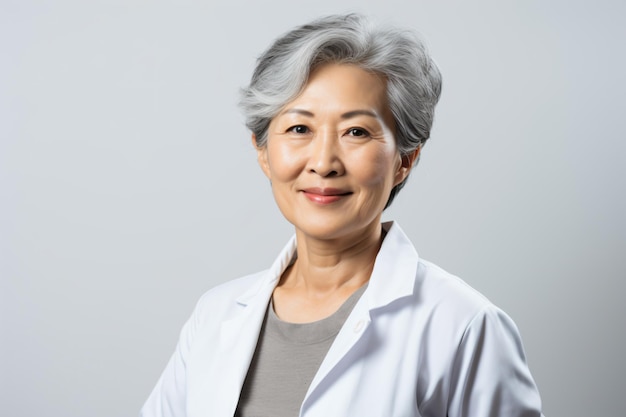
(128, 184)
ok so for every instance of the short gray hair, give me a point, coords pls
(413, 79)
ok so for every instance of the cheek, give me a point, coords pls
(377, 169)
(283, 163)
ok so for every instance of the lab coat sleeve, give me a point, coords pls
(168, 398)
(490, 374)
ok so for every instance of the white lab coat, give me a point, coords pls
(420, 342)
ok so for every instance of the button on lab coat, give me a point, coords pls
(420, 342)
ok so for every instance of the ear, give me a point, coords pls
(261, 156)
(406, 164)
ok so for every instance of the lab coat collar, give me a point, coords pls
(396, 258)
(272, 276)
(395, 268)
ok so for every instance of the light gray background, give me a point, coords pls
(128, 185)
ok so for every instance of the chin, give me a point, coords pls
(329, 229)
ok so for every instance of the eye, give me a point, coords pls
(299, 129)
(357, 132)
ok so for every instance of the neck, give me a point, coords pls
(325, 265)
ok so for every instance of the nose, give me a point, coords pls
(325, 158)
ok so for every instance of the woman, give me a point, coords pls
(348, 321)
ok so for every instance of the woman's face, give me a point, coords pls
(331, 154)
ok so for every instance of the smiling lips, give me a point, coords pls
(325, 195)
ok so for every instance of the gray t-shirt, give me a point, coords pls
(286, 358)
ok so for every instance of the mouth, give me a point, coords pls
(325, 195)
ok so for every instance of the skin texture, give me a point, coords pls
(332, 160)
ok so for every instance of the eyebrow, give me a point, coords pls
(347, 115)
(299, 111)
(354, 113)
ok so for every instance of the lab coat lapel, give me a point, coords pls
(393, 277)
(237, 342)
(239, 335)
(352, 331)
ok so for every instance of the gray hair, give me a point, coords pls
(413, 79)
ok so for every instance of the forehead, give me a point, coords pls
(344, 87)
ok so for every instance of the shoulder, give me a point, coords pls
(401, 271)
(447, 291)
(463, 310)
(454, 303)
(478, 346)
